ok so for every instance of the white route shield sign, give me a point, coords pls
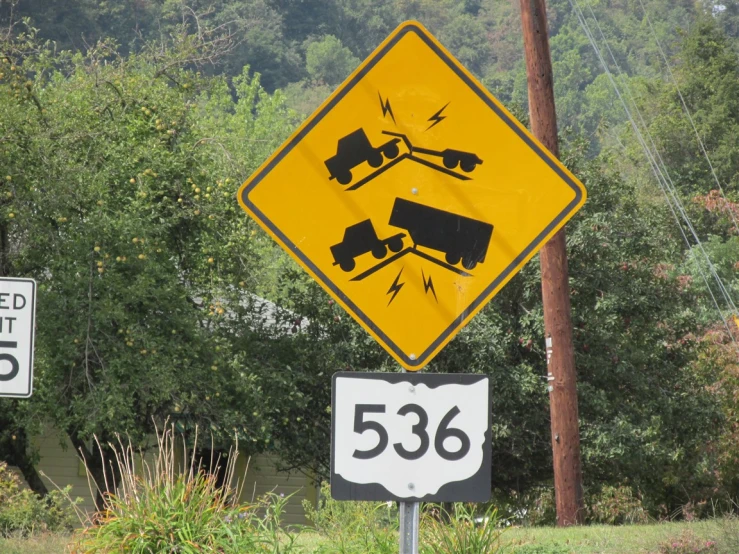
(411, 437)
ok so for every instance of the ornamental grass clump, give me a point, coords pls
(158, 507)
(462, 529)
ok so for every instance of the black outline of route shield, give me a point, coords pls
(412, 27)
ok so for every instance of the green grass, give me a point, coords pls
(604, 539)
(41, 544)
(596, 539)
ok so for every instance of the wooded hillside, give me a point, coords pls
(127, 127)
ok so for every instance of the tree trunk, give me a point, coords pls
(19, 455)
(101, 468)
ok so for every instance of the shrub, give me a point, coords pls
(686, 543)
(616, 506)
(540, 508)
(354, 527)
(461, 530)
(22, 512)
(162, 509)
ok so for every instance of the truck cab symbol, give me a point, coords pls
(354, 149)
(360, 239)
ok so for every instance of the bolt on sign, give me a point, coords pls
(412, 195)
(17, 331)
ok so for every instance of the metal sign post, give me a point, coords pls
(409, 520)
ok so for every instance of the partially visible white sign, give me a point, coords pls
(17, 331)
(410, 439)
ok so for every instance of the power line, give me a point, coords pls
(654, 153)
(687, 113)
(656, 163)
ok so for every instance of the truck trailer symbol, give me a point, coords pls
(459, 238)
(354, 149)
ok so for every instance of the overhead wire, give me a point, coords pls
(688, 114)
(654, 153)
(662, 174)
(657, 165)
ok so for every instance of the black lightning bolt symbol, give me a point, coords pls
(428, 285)
(395, 287)
(437, 117)
(385, 105)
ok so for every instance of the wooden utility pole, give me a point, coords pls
(554, 282)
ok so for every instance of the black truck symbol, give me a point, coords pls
(459, 238)
(360, 239)
(451, 158)
(354, 149)
(467, 160)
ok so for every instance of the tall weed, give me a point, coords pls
(354, 527)
(161, 508)
(686, 543)
(727, 535)
(460, 530)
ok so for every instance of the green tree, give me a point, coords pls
(328, 61)
(118, 199)
(707, 73)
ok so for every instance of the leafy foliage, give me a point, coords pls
(327, 61)
(23, 513)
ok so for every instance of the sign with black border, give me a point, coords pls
(411, 437)
(412, 196)
(17, 334)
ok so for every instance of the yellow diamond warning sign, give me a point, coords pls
(412, 196)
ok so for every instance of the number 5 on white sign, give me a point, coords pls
(17, 330)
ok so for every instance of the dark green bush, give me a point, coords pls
(616, 506)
